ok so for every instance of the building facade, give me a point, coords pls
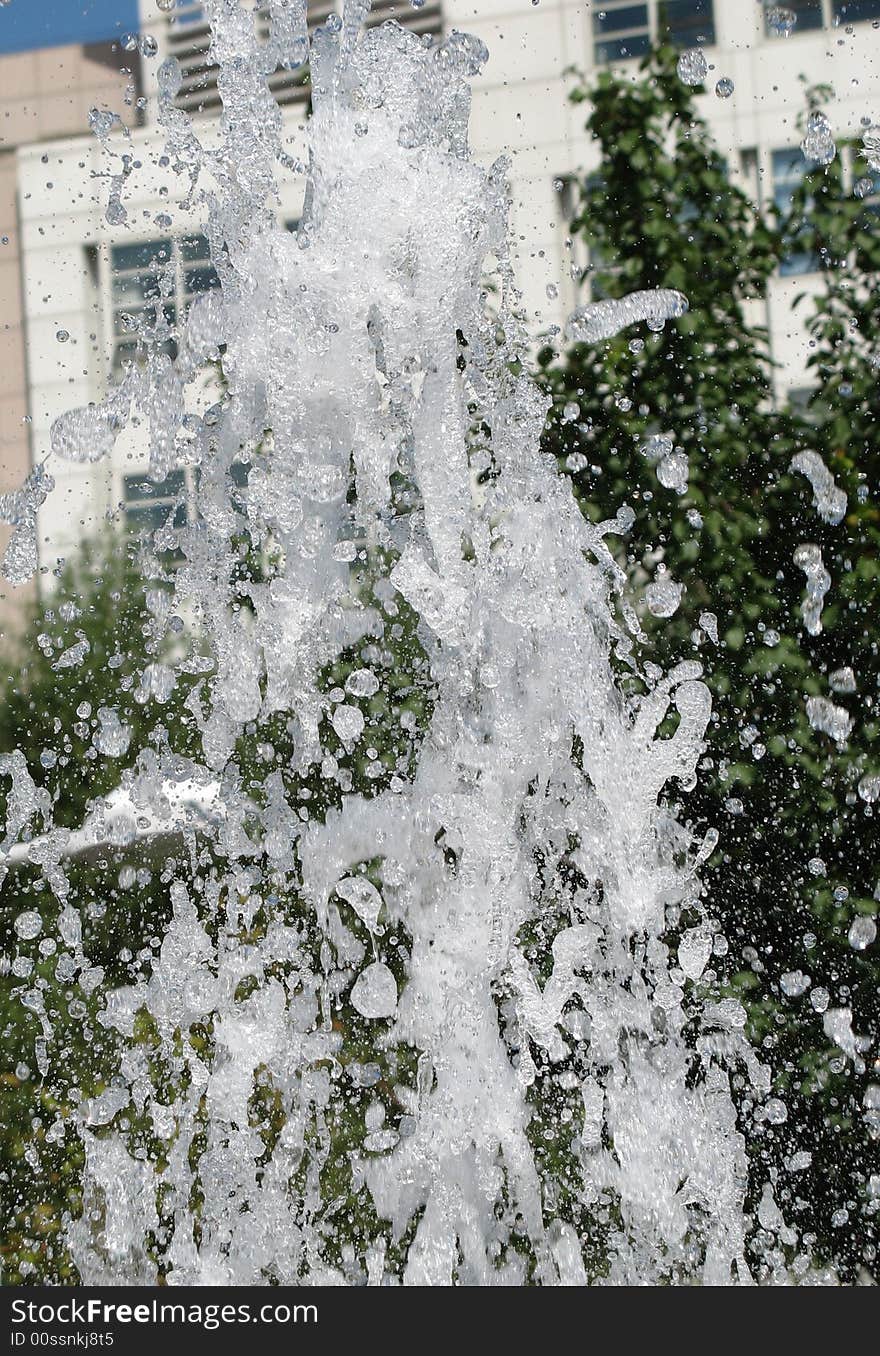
(74, 277)
(57, 60)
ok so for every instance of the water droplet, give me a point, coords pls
(781, 20)
(862, 932)
(375, 992)
(819, 999)
(794, 983)
(724, 87)
(348, 722)
(871, 147)
(28, 925)
(673, 471)
(827, 718)
(363, 897)
(663, 596)
(842, 680)
(692, 66)
(818, 143)
(112, 738)
(62, 336)
(694, 951)
(362, 683)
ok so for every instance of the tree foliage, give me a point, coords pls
(799, 857)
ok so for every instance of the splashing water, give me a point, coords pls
(507, 911)
(829, 501)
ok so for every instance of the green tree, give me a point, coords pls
(83, 652)
(681, 425)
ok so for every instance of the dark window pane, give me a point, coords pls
(620, 20)
(789, 168)
(855, 11)
(142, 487)
(189, 13)
(200, 279)
(687, 22)
(622, 48)
(195, 247)
(145, 518)
(144, 254)
(135, 288)
(807, 12)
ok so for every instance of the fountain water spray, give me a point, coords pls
(505, 908)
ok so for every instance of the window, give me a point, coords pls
(855, 11)
(789, 169)
(622, 29)
(808, 14)
(620, 32)
(686, 23)
(149, 504)
(189, 38)
(136, 287)
(813, 14)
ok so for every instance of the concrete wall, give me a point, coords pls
(43, 94)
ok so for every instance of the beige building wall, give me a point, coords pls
(43, 94)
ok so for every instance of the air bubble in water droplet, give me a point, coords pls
(28, 925)
(148, 46)
(62, 336)
(570, 410)
(552, 291)
(869, 789)
(166, 6)
(863, 188)
(862, 933)
(692, 66)
(724, 87)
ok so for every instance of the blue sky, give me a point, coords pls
(25, 24)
